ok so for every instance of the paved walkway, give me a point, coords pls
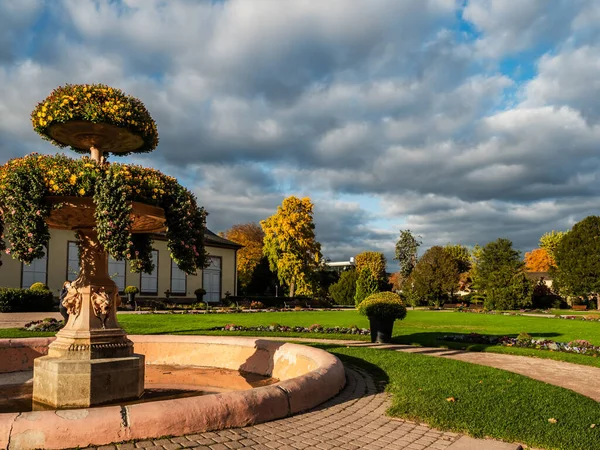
(355, 419)
(575, 377)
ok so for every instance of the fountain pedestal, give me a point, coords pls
(92, 361)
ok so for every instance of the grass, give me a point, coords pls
(420, 327)
(487, 402)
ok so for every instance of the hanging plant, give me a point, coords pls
(26, 182)
(96, 103)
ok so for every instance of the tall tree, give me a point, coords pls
(550, 241)
(578, 259)
(375, 262)
(407, 248)
(538, 260)
(435, 276)
(501, 278)
(366, 284)
(461, 255)
(291, 246)
(251, 236)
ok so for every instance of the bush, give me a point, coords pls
(131, 290)
(343, 291)
(257, 305)
(25, 300)
(39, 287)
(383, 305)
(200, 291)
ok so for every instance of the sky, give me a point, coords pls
(463, 121)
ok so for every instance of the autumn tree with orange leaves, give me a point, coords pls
(538, 260)
(251, 236)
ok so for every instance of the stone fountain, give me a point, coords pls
(92, 361)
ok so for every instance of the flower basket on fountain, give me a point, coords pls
(382, 309)
(114, 209)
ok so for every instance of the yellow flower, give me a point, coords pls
(81, 191)
(88, 95)
(72, 179)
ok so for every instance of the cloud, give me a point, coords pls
(414, 109)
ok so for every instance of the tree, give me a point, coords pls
(461, 255)
(406, 252)
(251, 236)
(435, 275)
(578, 259)
(291, 246)
(366, 284)
(500, 276)
(550, 241)
(375, 262)
(538, 260)
(344, 290)
(262, 281)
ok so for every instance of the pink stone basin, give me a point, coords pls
(308, 377)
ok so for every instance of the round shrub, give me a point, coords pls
(131, 290)
(384, 305)
(38, 286)
(200, 291)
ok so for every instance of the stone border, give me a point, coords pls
(309, 376)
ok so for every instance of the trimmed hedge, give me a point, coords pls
(25, 300)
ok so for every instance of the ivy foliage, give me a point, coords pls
(26, 182)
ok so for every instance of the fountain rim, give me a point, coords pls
(103, 425)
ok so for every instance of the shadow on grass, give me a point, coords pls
(375, 371)
(436, 339)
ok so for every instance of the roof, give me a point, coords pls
(538, 275)
(215, 240)
(210, 239)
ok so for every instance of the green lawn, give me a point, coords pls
(487, 402)
(420, 327)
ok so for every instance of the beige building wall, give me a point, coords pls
(11, 270)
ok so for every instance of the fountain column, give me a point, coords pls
(92, 360)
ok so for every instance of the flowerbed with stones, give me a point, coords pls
(315, 328)
(524, 340)
(48, 324)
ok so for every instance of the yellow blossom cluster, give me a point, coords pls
(96, 103)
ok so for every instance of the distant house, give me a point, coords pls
(540, 276)
(62, 263)
(340, 266)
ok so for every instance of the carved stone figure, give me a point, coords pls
(72, 301)
(101, 303)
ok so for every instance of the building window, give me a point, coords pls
(73, 266)
(149, 281)
(211, 280)
(116, 272)
(35, 272)
(178, 279)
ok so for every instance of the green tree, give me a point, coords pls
(501, 276)
(344, 290)
(366, 284)
(461, 255)
(435, 276)
(291, 246)
(375, 262)
(407, 248)
(550, 241)
(578, 259)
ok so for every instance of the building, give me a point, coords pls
(62, 263)
(340, 266)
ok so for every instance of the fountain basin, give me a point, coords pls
(308, 377)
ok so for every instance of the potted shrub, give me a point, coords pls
(199, 294)
(131, 291)
(382, 309)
